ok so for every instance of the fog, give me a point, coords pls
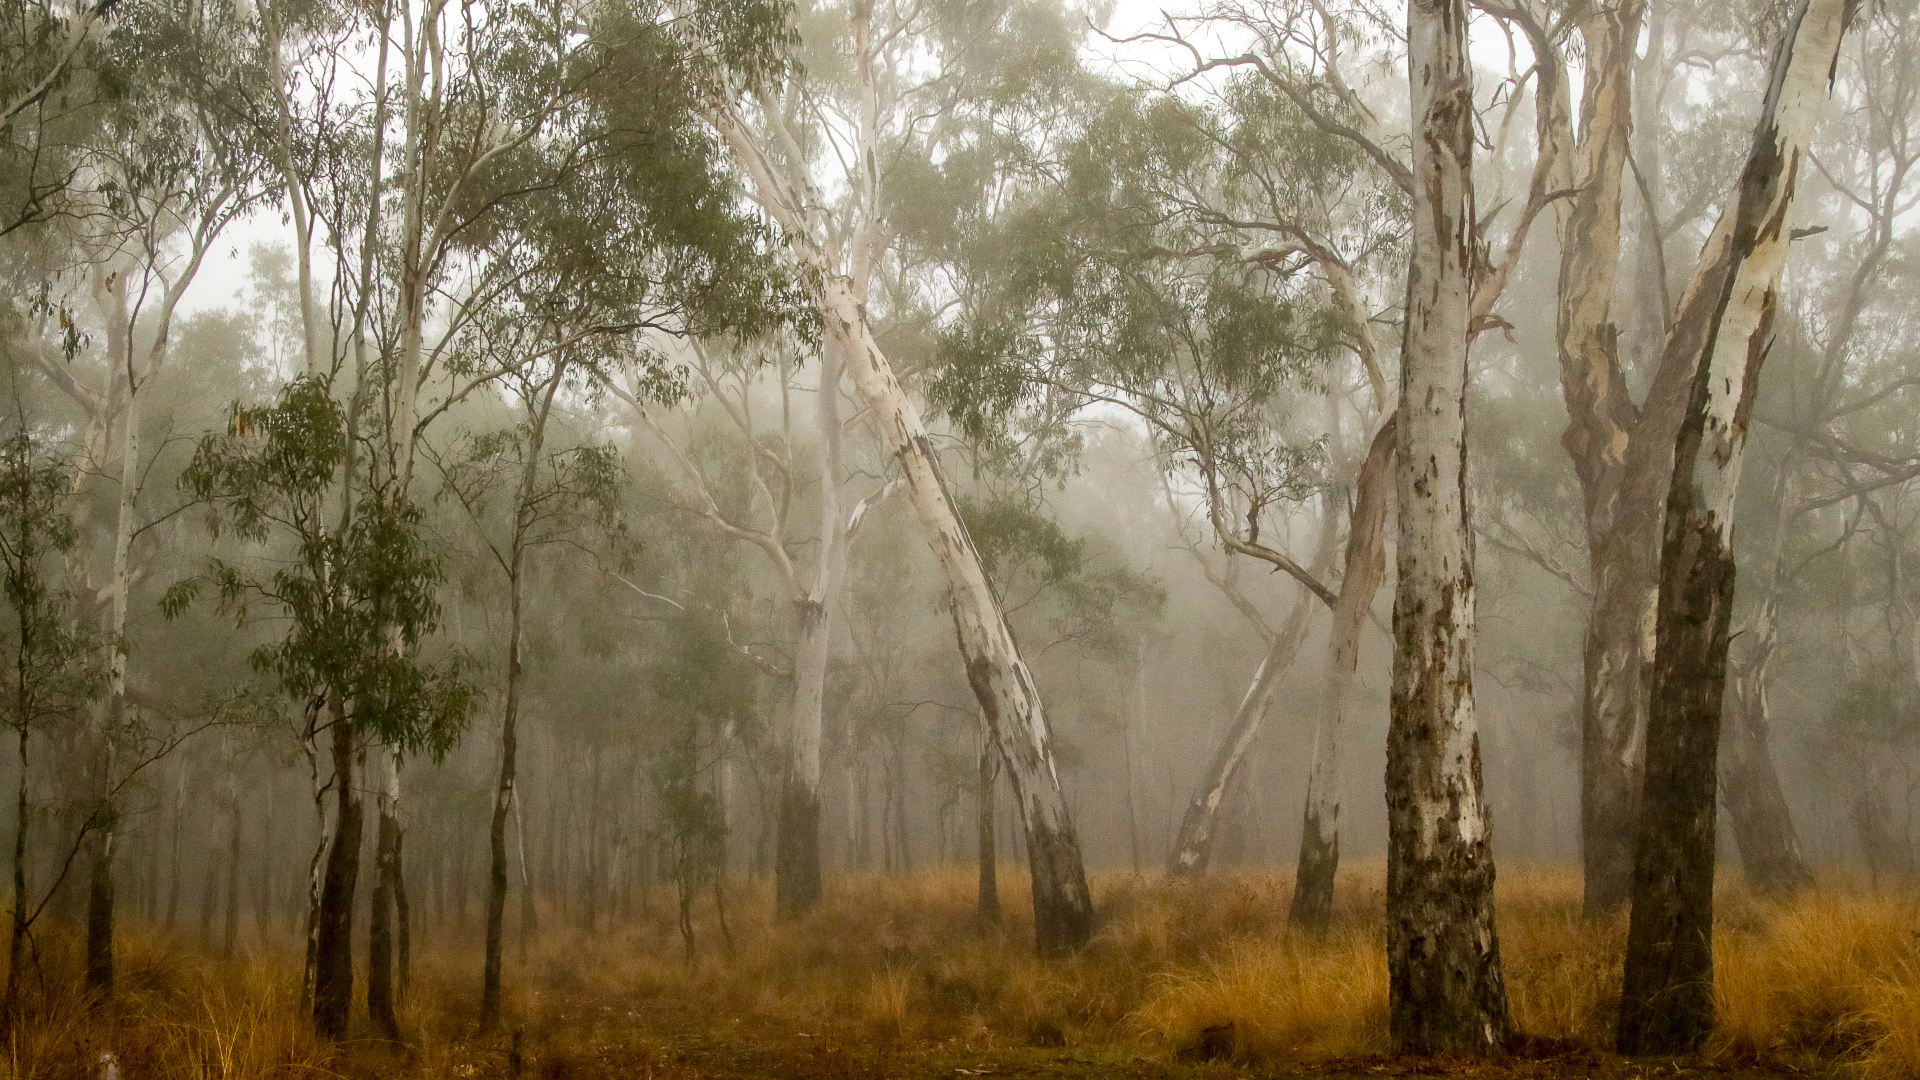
(527, 457)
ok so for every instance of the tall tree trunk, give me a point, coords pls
(1446, 990)
(1193, 845)
(325, 828)
(1009, 700)
(100, 914)
(503, 803)
(333, 937)
(1667, 996)
(987, 853)
(236, 822)
(1621, 524)
(797, 848)
(386, 871)
(1366, 568)
(17, 931)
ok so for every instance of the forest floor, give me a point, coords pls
(898, 979)
(667, 1040)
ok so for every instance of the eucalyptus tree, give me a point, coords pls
(1835, 443)
(1723, 334)
(53, 658)
(57, 79)
(638, 239)
(405, 136)
(344, 580)
(900, 83)
(1447, 989)
(166, 177)
(764, 521)
(553, 496)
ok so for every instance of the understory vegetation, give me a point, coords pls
(1180, 974)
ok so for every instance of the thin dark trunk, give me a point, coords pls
(503, 800)
(333, 939)
(100, 898)
(984, 795)
(17, 936)
(230, 932)
(380, 927)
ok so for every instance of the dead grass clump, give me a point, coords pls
(1563, 969)
(1297, 998)
(1812, 978)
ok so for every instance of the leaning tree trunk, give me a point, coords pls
(1193, 845)
(1009, 700)
(386, 873)
(333, 918)
(1666, 1001)
(797, 847)
(1366, 568)
(1446, 991)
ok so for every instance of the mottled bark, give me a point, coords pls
(1446, 990)
(1009, 700)
(1366, 569)
(842, 262)
(1667, 993)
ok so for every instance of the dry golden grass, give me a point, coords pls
(1830, 978)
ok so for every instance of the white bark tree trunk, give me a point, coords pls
(1366, 569)
(1667, 996)
(1193, 845)
(797, 848)
(1446, 988)
(1009, 700)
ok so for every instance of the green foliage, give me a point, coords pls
(359, 592)
(54, 666)
(1031, 557)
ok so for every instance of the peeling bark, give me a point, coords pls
(1667, 995)
(1446, 990)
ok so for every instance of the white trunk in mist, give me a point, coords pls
(1446, 990)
